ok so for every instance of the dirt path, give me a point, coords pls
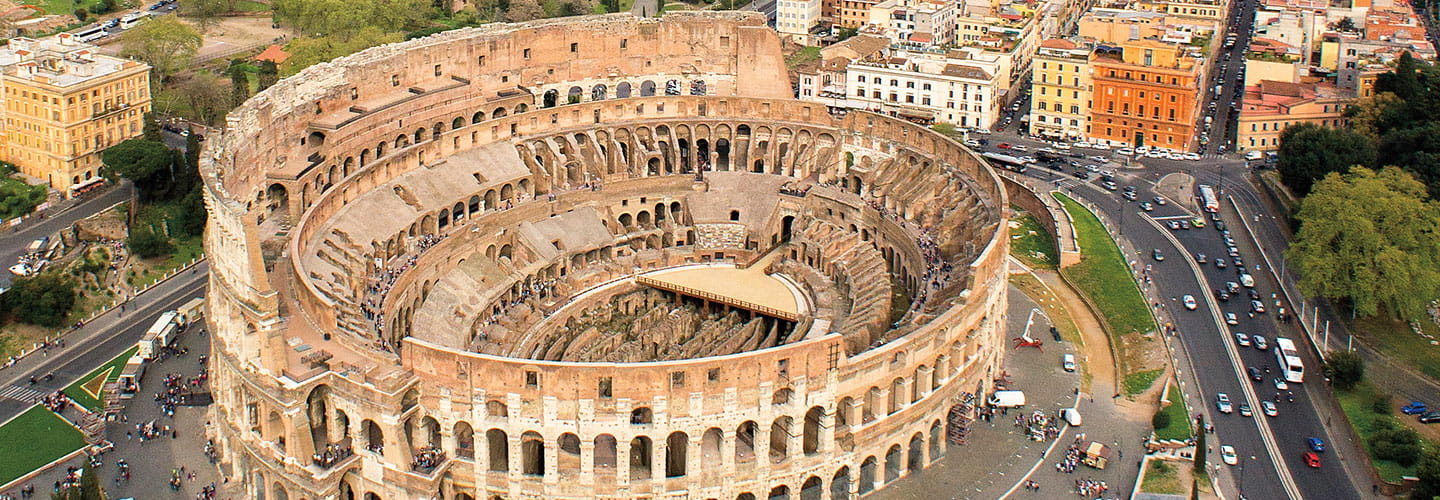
(1095, 347)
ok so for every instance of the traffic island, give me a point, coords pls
(89, 391)
(33, 440)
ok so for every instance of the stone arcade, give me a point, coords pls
(424, 257)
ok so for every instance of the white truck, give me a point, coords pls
(1007, 399)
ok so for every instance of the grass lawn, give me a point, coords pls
(1163, 477)
(1136, 383)
(87, 391)
(34, 439)
(1400, 343)
(1359, 404)
(1179, 428)
(1104, 278)
(1031, 243)
(251, 6)
(801, 57)
(63, 7)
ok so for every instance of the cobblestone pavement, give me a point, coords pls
(998, 454)
(152, 461)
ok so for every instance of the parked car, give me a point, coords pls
(1223, 295)
(1219, 263)
(1200, 258)
(1068, 362)
(1257, 307)
(1430, 418)
(1056, 333)
(1159, 200)
(1157, 255)
(1222, 403)
(1146, 206)
(1414, 408)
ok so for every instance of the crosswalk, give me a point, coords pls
(24, 394)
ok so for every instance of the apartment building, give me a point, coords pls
(1271, 106)
(1060, 90)
(1145, 92)
(960, 87)
(64, 103)
(921, 22)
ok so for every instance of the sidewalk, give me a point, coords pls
(998, 454)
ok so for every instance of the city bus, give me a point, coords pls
(132, 19)
(1289, 360)
(1207, 197)
(1006, 162)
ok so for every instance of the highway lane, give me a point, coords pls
(1208, 355)
(99, 341)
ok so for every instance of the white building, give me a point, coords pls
(960, 87)
(795, 18)
(919, 23)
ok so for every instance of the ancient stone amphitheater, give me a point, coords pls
(597, 257)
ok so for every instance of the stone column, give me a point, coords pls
(622, 462)
(550, 455)
(587, 463)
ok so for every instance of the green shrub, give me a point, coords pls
(1161, 420)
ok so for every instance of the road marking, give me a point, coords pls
(1287, 481)
(24, 394)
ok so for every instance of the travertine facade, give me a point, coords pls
(413, 249)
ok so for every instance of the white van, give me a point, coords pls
(1068, 362)
(1254, 155)
(1070, 416)
(1008, 399)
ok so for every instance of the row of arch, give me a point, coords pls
(623, 90)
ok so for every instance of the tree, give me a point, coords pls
(1370, 238)
(81, 15)
(1161, 420)
(268, 74)
(1345, 369)
(166, 44)
(307, 51)
(1346, 24)
(1308, 152)
(239, 84)
(151, 127)
(146, 163)
(205, 95)
(44, 299)
(189, 219)
(1429, 474)
(18, 198)
(205, 12)
(1398, 444)
(343, 19)
(148, 243)
(523, 10)
(1373, 115)
(569, 9)
(1404, 81)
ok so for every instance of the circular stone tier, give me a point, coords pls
(431, 277)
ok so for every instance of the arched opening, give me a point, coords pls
(374, 437)
(567, 460)
(810, 441)
(499, 113)
(478, 117)
(279, 492)
(781, 492)
(840, 485)
(780, 439)
(917, 453)
(599, 92)
(605, 455)
(787, 224)
(640, 457)
(464, 440)
(315, 139)
(506, 252)
(842, 412)
(551, 98)
(897, 395)
(710, 449)
(652, 167)
(734, 216)
(622, 90)
(641, 416)
(867, 475)
(936, 448)
(745, 442)
(521, 108)
(676, 452)
(697, 87)
(499, 447)
(812, 489)
(647, 88)
(782, 396)
(574, 96)
(893, 463)
(672, 87)
(532, 453)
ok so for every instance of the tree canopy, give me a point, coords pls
(165, 43)
(206, 12)
(1401, 119)
(149, 164)
(43, 299)
(310, 50)
(344, 19)
(1308, 152)
(1372, 239)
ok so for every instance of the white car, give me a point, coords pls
(1227, 453)
(1068, 362)
(1192, 156)
(972, 143)
(1125, 152)
(1019, 147)
(1100, 146)
(1190, 302)
(1231, 320)
(1083, 144)
(1062, 146)
(1100, 159)
(1142, 150)
(1175, 156)
(1155, 153)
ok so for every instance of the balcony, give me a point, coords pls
(332, 455)
(427, 459)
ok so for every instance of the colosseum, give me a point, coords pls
(594, 257)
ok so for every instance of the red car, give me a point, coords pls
(1004, 145)
(1312, 460)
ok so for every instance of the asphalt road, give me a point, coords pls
(96, 343)
(14, 244)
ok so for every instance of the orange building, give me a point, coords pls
(1144, 94)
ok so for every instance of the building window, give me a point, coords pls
(574, 47)
(526, 53)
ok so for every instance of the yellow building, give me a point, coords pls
(1272, 106)
(64, 103)
(1060, 83)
